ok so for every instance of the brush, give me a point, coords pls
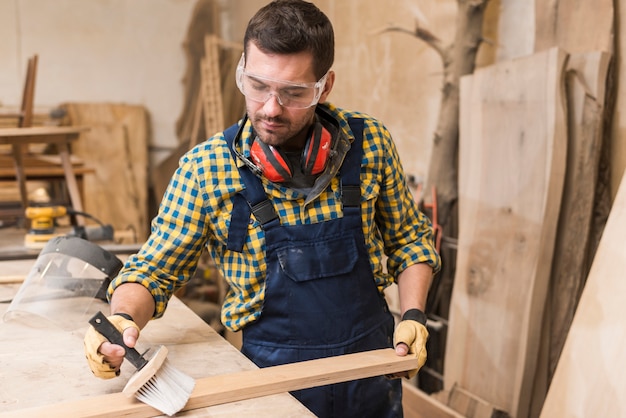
(156, 382)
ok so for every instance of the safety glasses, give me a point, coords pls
(288, 94)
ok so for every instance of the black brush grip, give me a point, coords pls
(108, 330)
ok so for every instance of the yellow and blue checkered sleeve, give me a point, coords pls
(405, 231)
(178, 234)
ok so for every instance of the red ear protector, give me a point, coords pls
(275, 166)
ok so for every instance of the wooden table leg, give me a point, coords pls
(18, 160)
(70, 180)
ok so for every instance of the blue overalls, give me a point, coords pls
(320, 296)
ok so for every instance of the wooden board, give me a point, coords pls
(576, 239)
(221, 389)
(116, 146)
(511, 170)
(418, 404)
(589, 380)
(586, 82)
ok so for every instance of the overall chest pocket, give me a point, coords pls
(302, 262)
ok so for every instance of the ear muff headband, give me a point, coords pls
(274, 165)
(316, 150)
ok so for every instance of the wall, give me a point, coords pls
(126, 51)
(132, 51)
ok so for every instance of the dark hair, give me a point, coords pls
(291, 26)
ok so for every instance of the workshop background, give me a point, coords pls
(151, 78)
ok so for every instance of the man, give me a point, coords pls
(298, 205)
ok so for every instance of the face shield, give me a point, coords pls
(66, 286)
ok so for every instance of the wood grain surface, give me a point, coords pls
(589, 380)
(511, 170)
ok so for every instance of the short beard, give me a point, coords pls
(293, 140)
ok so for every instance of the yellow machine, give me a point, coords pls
(42, 224)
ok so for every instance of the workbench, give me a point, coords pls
(46, 366)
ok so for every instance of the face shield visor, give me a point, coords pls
(66, 286)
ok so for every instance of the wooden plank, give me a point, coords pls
(212, 102)
(43, 172)
(28, 96)
(511, 170)
(12, 279)
(117, 193)
(204, 20)
(41, 134)
(589, 380)
(471, 406)
(576, 241)
(585, 89)
(227, 388)
(418, 404)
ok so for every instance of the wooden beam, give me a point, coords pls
(471, 406)
(418, 404)
(28, 97)
(238, 386)
(12, 279)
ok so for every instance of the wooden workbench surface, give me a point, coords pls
(45, 366)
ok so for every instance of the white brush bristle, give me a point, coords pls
(168, 390)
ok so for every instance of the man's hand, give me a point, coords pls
(410, 338)
(104, 358)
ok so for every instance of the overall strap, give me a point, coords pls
(250, 200)
(351, 169)
(253, 199)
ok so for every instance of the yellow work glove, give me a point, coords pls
(411, 330)
(93, 341)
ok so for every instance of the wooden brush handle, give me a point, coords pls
(108, 330)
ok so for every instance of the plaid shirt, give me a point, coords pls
(196, 209)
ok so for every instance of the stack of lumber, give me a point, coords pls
(532, 204)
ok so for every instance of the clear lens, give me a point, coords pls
(288, 94)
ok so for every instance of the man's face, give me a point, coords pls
(274, 123)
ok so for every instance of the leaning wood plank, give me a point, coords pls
(471, 406)
(589, 380)
(419, 404)
(585, 87)
(512, 154)
(238, 386)
(576, 241)
(117, 193)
